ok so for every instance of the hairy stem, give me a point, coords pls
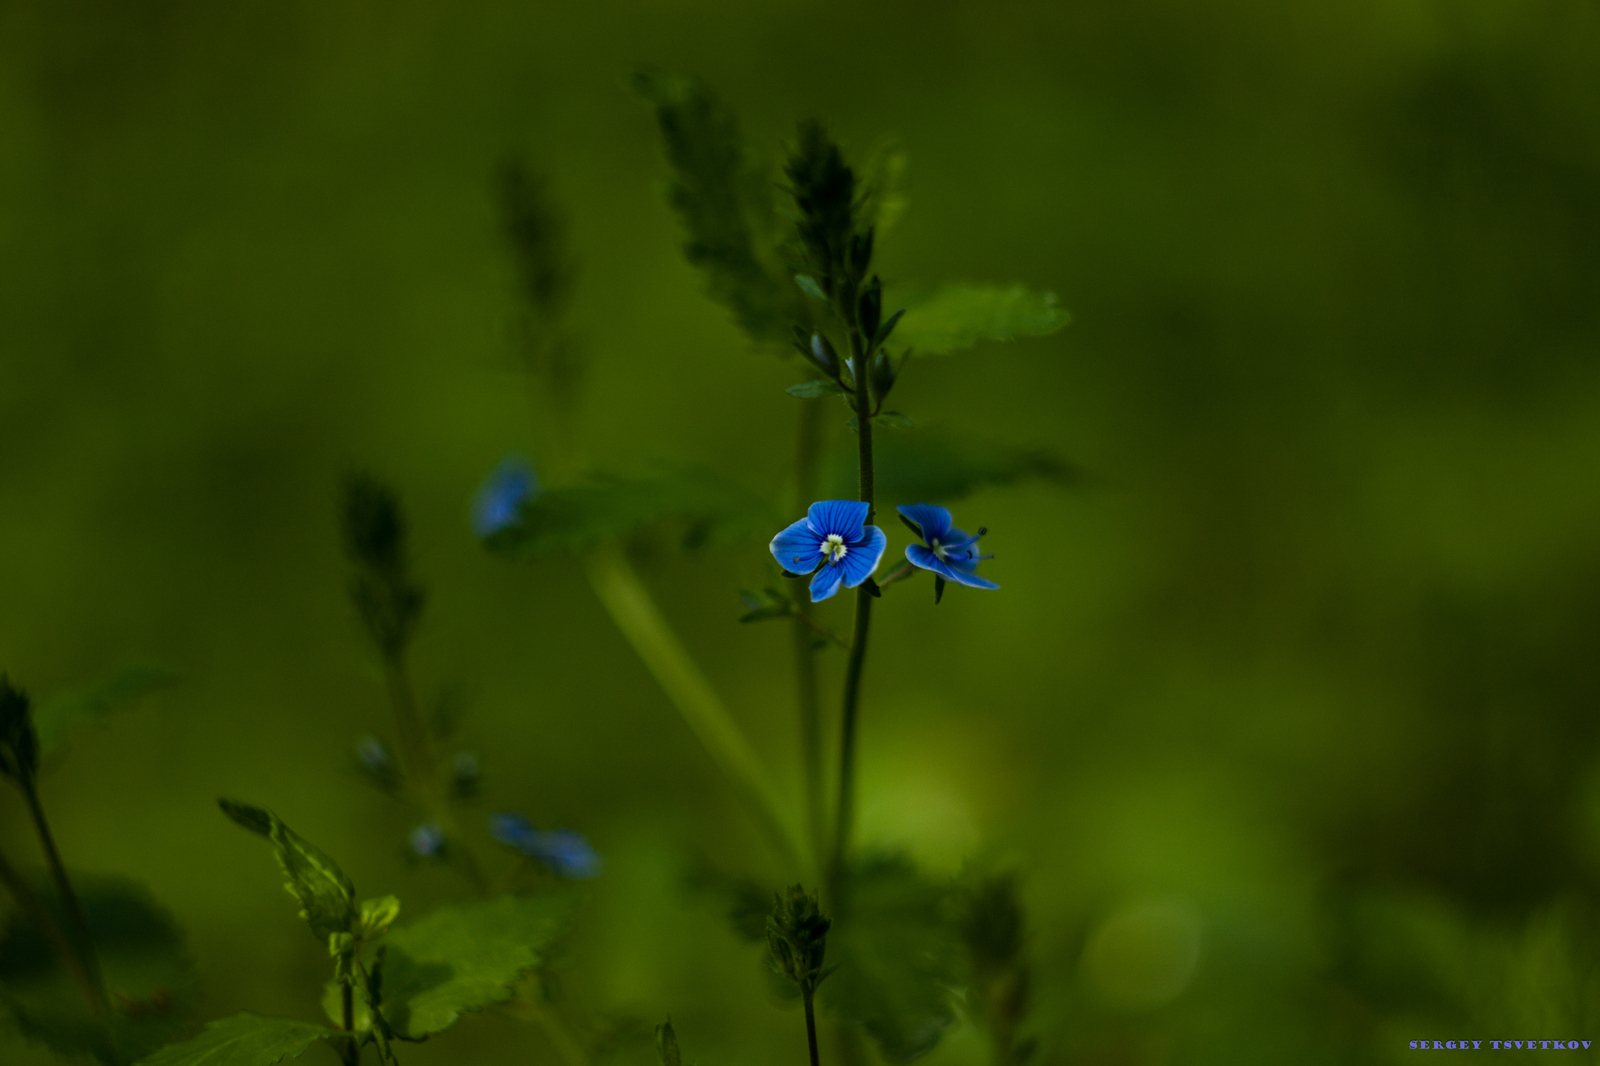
(811, 1023)
(808, 437)
(350, 1051)
(624, 596)
(858, 642)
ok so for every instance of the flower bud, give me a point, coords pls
(870, 309)
(823, 355)
(797, 937)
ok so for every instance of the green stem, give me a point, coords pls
(40, 916)
(624, 596)
(351, 1049)
(79, 927)
(858, 642)
(811, 1024)
(808, 439)
(421, 769)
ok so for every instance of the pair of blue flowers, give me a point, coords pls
(835, 545)
(563, 852)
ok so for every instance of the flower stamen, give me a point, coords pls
(834, 548)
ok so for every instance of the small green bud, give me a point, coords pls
(869, 308)
(883, 375)
(797, 937)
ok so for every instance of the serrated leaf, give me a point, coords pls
(59, 715)
(245, 1039)
(725, 205)
(460, 959)
(940, 465)
(953, 317)
(142, 956)
(812, 390)
(712, 509)
(325, 894)
(896, 952)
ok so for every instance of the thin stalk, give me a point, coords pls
(40, 916)
(350, 1052)
(633, 611)
(79, 927)
(858, 641)
(421, 768)
(811, 1025)
(808, 437)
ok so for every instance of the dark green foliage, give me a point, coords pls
(325, 894)
(824, 191)
(952, 317)
(60, 714)
(941, 465)
(896, 954)
(244, 1039)
(538, 237)
(460, 959)
(711, 510)
(991, 927)
(812, 390)
(667, 1044)
(147, 970)
(725, 205)
(19, 740)
(375, 540)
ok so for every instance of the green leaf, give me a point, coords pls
(377, 915)
(712, 510)
(958, 316)
(940, 465)
(809, 286)
(816, 389)
(460, 959)
(896, 952)
(725, 204)
(325, 894)
(895, 420)
(147, 970)
(60, 714)
(243, 1040)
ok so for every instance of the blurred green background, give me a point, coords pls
(1287, 713)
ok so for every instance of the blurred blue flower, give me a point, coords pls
(372, 754)
(427, 840)
(834, 540)
(499, 501)
(948, 551)
(564, 851)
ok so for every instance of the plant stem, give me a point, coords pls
(351, 1051)
(811, 1024)
(78, 926)
(421, 769)
(807, 448)
(624, 596)
(37, 913)
(858, 643)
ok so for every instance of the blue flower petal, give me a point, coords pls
(512, 829)
(934, 520)
(798, 549)
(498, 503)
(568, 854)
(826, 583)
(962, 575)
(863, 557)
(843, 518)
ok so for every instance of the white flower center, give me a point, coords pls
(834, 548)
(938, 550)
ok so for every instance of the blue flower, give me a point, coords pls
(498, 504)
(427, 840)
(564, 851)
(834, 540)
(372, 755)
(949, 552)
